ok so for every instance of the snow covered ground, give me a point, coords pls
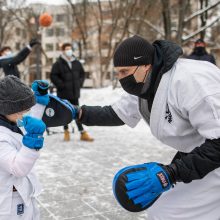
(77, 176)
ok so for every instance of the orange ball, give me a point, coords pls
(45, 20)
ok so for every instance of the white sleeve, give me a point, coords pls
(205, 116)
(127, 109)
(18, 163)
(37, 111)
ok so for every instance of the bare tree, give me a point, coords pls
(6, 20)
(102, 25)
(113, 32)
(109, 22)
(166, 18)
(184, 18)
(80, 16)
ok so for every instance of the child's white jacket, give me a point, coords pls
(16, 169)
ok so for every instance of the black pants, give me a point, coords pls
(79, 125)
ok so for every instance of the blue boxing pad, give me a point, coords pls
(137, 187)
(58, 112)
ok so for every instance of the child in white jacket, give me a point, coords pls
(18, 151)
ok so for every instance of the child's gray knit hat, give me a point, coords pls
(15, 96)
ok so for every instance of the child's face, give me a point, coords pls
(14, 117)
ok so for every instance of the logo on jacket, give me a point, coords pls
(20, 209)
(168, 115)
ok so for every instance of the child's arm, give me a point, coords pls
(37, 111)
(17, 163)
(40, 88)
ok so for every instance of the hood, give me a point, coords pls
(165, 55)
(169, 52)
(73, 58)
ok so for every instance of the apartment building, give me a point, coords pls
(97, 58)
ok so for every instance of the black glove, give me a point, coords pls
(34, 41)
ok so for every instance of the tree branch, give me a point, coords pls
(186, 38)
(201, 11)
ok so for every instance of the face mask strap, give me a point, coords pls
(145, 77)
(135, 70)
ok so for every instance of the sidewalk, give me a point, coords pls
(77, 176)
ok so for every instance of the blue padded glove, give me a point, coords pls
(74, 109)
(137, 187)
(35, 129)
(40, 88)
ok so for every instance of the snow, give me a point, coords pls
(77, 176)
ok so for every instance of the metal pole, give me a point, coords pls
(38, 50)
(1, 18)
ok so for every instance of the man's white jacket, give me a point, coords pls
(185, 112)
(186, 107)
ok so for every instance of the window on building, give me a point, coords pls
(24, 34)
(32, 59)
(49, 61)
(32, 77)
(18, 31)
(49, 32)
(58, 46)
(18, 46)
(60, 32)
(47, 75)
(104, 60)
(105, 44)
(49, 47)
(61, 17)
(108, 75)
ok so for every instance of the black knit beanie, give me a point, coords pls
(15, 96)
(133, 51)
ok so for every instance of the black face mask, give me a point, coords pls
(200, 51)
(130, 85)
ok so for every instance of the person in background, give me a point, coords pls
(200, 53)
(9, 62)
(68, 75)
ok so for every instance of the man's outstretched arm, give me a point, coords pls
(123, 111)
(99, 116)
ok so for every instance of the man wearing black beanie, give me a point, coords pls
(179, 99)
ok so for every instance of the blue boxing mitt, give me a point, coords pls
(59, 112)
(35, 128)
(137, 187)
(40, 88)
(74, 109)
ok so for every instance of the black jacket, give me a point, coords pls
(68, 81)
(9, 65)
(201, 54)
